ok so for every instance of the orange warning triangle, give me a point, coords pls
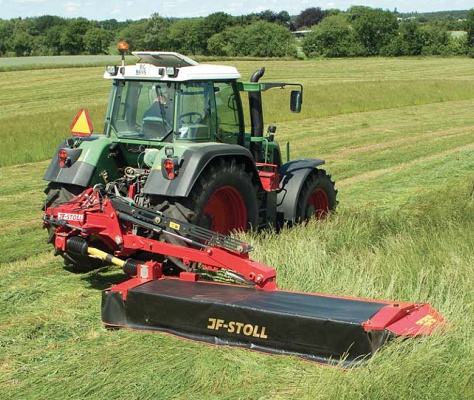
(82, 125)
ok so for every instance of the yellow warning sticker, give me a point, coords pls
(174, 225)
(427, 320)
(82, 125)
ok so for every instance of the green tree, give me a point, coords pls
(49, 44)
(268, 15)
(186, 36)
(374, 28)
(212, 24)
(21, 42)
(6, 33)
(49, 30)
(216, 23)
(271, 40)
(435, 38)
(46, 22)
(333, 37)
(110, 25)
(412, 38)
(408, 42)
(457, 46)
(260, 39)
(283, 18)
(228, 42)
(72, 36)
(156, 33)
(470, 33)
(309, 17)
(96, 41)
(134, 34)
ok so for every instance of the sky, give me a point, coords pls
(122, 10)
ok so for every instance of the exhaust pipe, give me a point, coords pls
(256, 117)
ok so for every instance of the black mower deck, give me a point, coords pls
(321, 328)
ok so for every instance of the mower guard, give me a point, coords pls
(326, 329)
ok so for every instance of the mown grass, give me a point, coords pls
(53, 62)
(404, 167)
(43, 103)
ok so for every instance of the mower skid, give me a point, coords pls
(326, 329)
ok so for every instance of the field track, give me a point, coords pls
(376, 173)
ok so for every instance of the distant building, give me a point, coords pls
(300, 34)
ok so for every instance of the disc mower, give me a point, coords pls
(220, 295)
(157, 194)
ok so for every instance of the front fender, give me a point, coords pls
(292, 177)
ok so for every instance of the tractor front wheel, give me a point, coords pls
(317, 197)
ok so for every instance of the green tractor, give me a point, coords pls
(175, 141)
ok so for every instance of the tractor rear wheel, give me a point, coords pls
(223, 199)
(317, 197)
(58, 194)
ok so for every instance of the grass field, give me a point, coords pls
(43, 62)
(398, 138)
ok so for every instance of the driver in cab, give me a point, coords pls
(159, 108)
(158, 118)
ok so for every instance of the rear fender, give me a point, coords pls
(194, 161)
(293, 174)
(93, 154)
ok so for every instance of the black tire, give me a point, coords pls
(223, 199)
(317, 197)
(58, 194)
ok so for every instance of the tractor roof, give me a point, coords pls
(165, 59)
(170, 66)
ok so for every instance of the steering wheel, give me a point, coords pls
(157, 120)
(190, 118)
(155, 127)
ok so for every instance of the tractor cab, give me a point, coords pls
(167, 97)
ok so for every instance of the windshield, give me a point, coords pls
(143, 110)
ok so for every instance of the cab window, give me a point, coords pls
(196, 117)
(229, 129)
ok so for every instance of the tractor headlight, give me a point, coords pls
(172, 72)
(112, 70)
(169, 151)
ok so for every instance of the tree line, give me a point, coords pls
(359, 31)
(363, 31)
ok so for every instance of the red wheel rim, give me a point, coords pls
(226, 210)
(318, 204)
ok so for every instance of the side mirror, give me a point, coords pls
(296, 100)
